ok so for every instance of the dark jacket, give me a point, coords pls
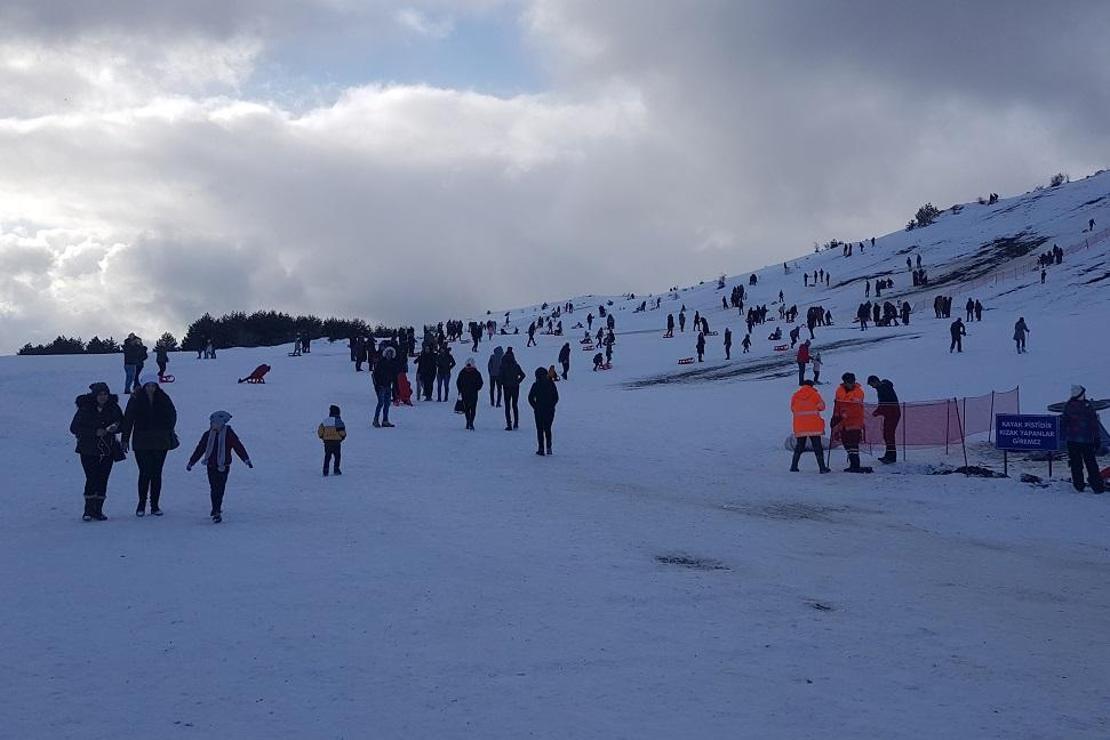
(564, 353)
(511, 375)
(543, 396)
(149, 424)
(231, 444)
(161, 354)
(89, 418)
(426, 365)
(385, 373)
(469, 383)
(1080, 422)
(133, 353)
(445, 363)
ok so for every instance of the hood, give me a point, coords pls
(498, 351)
(89, 400)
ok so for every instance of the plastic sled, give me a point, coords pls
(166, 379)
(686, 361)
(258, 376)
(588, 348)
(606, 366)
(404, 390)
(712, 334)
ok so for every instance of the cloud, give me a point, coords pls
(143, 183)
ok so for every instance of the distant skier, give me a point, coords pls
(891, 413)
(958, 332)
(95, 425)
(1020, 332)
(214, 451)
(468, 384)
(806, 406)
(1081, 431)
(543, 397)
(332, 431)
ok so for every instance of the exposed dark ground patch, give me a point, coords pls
(691, 562)
(990, 256)
(772, 367)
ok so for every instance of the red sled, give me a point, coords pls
(404, 391)
(166, 378)
(258, 376)
(686, 361)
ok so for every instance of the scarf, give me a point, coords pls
(219, 436)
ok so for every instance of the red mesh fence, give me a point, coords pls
(939, 423)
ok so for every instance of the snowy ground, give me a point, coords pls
(452, 584)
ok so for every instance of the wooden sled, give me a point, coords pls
(686, 361)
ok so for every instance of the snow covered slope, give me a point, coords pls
(662, 575)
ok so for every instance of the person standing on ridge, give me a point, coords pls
(806, 406)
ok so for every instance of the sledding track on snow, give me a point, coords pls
(774, 367)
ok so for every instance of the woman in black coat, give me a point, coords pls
(148, 425)
(543, 398)
(469, 383)
(95, 425)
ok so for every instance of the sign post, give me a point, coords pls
(1026, 433)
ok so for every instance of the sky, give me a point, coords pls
(412, 162)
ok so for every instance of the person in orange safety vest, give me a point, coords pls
(848, 416)
(806, 404)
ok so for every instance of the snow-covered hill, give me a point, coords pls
(662, 575)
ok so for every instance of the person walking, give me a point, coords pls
(162, 359)
(543, 396)
(384, 375)
(700, 346)
(1082, 434)
(445, 363)
(95, 425)
(511, 377)
(426, 369)
(670, 326)
(848, 417)
(802, 359)
(891, 412)
(468, 384)
(1020, 332)
(148, 428)
(564, 359)
(214, 452)
(728, 343)
(806, 406)
(958, 332)
(332, 431)
(493, 367)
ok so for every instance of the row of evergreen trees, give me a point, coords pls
(238, 329)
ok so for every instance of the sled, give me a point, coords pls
(606, 366)
(296, 354)
(588, 348)
(258, 376)
(166, 379)
(686, 361)
(404, 390)
(711, 334)
(782, 347)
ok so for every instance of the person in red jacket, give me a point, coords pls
(803, 360)
(214, 450)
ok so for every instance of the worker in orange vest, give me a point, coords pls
(848, 416)
(806, 404)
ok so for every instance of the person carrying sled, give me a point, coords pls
(161, 358)
(806, 405)
(1020, 332)
(848, 417)
(891, 412)
(1082, 433)
(543, 397)
(468, 384)
(214, 451)
(95, 425)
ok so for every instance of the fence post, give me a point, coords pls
(990, 421)
(963, 443)
(1018, 391)
(903, 431)
(947, 426)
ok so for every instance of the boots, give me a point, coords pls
(891, 456)
(98, 509)
(89, 510)
(854, 466)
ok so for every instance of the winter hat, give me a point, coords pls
(848, 377)
(99, 388)
(333, 410)
(388, 352)
(1077, 391)
(540, 373)
(147, 379)
(219, 417)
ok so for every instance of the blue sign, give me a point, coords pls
(1027, 432)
